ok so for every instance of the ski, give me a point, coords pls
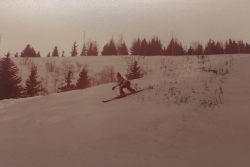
(119, 97)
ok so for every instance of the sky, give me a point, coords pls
(45, 24)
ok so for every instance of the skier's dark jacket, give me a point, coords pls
(121, 81)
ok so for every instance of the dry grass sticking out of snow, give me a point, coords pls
(196, 80)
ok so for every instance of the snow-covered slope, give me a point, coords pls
(157, 127)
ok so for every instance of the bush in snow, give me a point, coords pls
(69, 86)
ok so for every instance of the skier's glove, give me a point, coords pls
(113, 88)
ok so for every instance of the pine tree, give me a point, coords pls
(10, 83)
(74, 50)
(144, 47)
(219, 48)
(28, 52)
(230, 46)
(210, 48)
(191, 51)
(121, 46)
(16, 55)
(226, 50)
(241, 47)
(92, 48)
(170, 47)
(105, 50)
(235, 47)
(134, 71)
(95, 49)
(154, 47)
(112, 47)
(33, 87)
(83, 81)
(247, 48)
(123, 49)
(175, 48)
(63, 53)
(109, 48)
(48, 55)
(83, 50)
(135, 49)
(55, 52)
(38, 54)
(199, 49)
(32, 52)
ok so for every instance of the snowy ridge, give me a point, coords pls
(151, 128)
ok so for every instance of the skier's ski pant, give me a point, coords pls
(127, 85)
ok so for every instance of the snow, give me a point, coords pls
(150, 128)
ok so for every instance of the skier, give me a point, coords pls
(122, 83)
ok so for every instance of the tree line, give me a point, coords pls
(10, 82)
(11, 87)
(145, 47)
(212, 48)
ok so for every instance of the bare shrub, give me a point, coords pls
(46, 81)
(43, 86)
(68, 66)
(56, 77)
(107, 74)
(50, 66)
(95, 79)
(79, 67)
(24, 60)
(31, 64)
